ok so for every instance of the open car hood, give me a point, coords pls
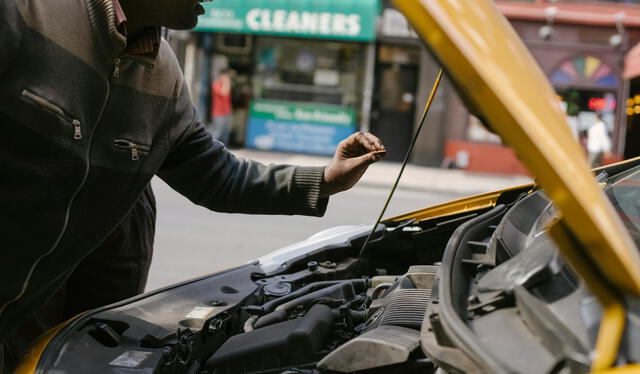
(501, 82)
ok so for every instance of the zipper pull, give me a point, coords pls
(134, 152)
(77, 133)
(116, 68)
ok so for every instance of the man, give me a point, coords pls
(87, 120)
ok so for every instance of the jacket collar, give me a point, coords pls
(146, 44)
(112, 42)
(103, 20)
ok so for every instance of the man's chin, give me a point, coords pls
(185, 25)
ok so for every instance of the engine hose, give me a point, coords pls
(248, 325)
(273, 304)
(379, 289)
(346, 289)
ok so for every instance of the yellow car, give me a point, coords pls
(535, 279)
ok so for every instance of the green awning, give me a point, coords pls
(326, 19)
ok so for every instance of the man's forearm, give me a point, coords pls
(204, 171)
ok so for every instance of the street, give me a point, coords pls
(192, 241)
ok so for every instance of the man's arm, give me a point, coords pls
(10, 20)
(202, 169)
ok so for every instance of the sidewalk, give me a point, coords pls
(417, 178)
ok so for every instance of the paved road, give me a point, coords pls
(192, 241)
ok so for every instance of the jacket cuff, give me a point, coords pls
(305, 191)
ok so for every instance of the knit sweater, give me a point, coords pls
(83, 129)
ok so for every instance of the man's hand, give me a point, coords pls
(353, 157)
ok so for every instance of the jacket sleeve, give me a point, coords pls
(10, 20)
(204, 171)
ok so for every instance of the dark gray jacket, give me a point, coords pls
(82, 131)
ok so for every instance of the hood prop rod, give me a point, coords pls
(434, 90)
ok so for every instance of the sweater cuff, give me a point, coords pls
(306, 190)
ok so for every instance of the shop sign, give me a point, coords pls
(327, 19)
(395, 24)
(602, 104)
(298, 127)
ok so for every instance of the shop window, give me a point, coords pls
(586, 86)
(397, 82)
(305, 70)
(234, 43)
(581, 107)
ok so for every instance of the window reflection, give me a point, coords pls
(308, 71)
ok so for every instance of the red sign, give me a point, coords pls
(601, 104)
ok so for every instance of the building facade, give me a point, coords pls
(308, 74)
(302, 71)
(581, 46)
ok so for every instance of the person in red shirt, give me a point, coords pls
(221, 108)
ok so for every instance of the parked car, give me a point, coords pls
(534, 279)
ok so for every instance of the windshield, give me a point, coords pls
(624, 194)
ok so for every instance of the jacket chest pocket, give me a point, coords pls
(74, 124)
(135, 149)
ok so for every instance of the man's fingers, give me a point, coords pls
(377, 143)
(358, 144)
(364, 141)
(368, 141)
(352, 159)
(369, 158)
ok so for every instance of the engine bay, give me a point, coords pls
(449, 294)
(325, 313)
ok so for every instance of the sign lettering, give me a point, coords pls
(329, 19)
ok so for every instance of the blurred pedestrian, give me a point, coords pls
(598, 142)
(221, 107)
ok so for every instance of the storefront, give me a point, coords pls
(404, 74)
(300, 69)
(581, 50)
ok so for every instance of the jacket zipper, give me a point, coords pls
(53, 108)
(117, 62)
(37, 99)
(116, 67)
(27, 279)
(136, 149)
